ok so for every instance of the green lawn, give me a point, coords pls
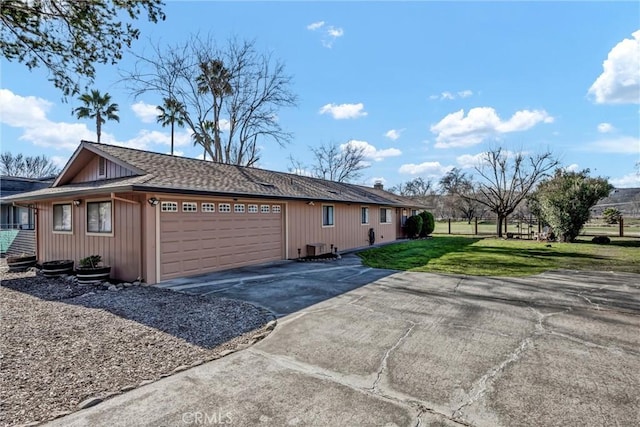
(498, 257)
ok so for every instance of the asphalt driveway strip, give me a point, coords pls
(375, 347)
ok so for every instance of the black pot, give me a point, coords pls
(21, 262)
(57, 268)
(87, 275)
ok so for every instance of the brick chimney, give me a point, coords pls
(378, 185)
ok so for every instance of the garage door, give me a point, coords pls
(199, 237)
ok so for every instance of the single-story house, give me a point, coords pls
(159, 217)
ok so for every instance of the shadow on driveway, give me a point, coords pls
(283, 287)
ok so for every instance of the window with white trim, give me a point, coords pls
(385, 215)
(264, 209)
(62, 217)
(99, 217)
(208, 207)
(275, 208)
(364, 215)
(169, 206)
(189, 207)
(224, 207)
(102, 167)
(327, 216)
(252, 208)
(238, 208)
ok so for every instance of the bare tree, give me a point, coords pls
(341, 163)
(456, 187)
(418, 188)
(507, 179)
(231, 94)
(27, 167)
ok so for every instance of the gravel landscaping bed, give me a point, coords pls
(65, 346)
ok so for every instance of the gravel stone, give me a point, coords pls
(64, 344)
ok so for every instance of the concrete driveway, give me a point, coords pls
(407, 349)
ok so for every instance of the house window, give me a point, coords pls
(169, 207)
(327, 216)
(99, 217)
(385, 216)
(264, 208)
(275, 208)
(189, 207)
(102, 167)
(62, 217)
(414, 212)
(208, 207)
(252, 208)
(224, 207)
(238, 208)
(364, 215)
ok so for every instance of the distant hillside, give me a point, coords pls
(627, 200)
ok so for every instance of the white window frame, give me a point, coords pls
(189, 207)
(265, 209)
(388, 217)
(169, 206)
(53, 218)
(333, 216)
(208, 207)
(365, 210)
(252, 208)
(224, 207)
(276, 209)
(239, 208)
(86, 219)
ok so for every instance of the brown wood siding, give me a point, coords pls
(91, 171)
(121, 251)
(305, 227)
(199, 242)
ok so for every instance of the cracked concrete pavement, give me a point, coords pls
(410, 349)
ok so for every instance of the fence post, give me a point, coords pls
(449, 225)
(476, 227)
(621, 224)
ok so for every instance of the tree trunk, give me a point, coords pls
(499, 224)
(98, 125)
(172, 137)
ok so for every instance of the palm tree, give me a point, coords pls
(171, 113)
(97, 107)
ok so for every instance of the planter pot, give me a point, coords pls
(57, 268)
(22, 262)
(93, 275)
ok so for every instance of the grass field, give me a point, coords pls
(497, 257)
(488, 228)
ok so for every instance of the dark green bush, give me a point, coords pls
(428, 223)
(412, 226)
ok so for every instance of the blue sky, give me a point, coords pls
(422, 86)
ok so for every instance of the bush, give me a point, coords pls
(413, 226)
(428, 223)
(612, 215)
(601, 240)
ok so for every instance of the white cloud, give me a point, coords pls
(393, 134)
(468, 161)
(147, 113)
(619, 82)
(428, 169)
(605, 128)
(58, 135)
(22, 111)
(59, 161)
(620, 145)
(371, 152)
(447, 95)
(315, 26)
(456, 130)
(573, 167)
(329, 33)
(631, 180)
(344, 111)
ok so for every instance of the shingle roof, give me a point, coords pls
(180, 174)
